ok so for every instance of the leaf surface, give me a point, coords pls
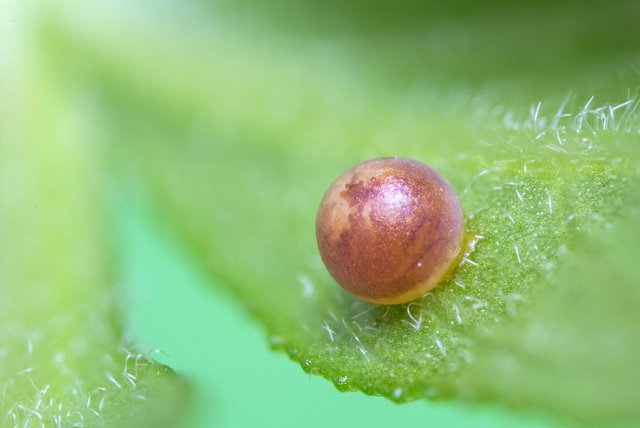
(63, 360)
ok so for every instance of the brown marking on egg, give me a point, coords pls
(389, 229)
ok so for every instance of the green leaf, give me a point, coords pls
(523, 208)
(241, 131)
(63, 361)
(576, 344)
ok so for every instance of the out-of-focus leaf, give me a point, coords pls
(62, 358)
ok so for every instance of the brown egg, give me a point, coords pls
(389, 230)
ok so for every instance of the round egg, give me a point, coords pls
(389, 230)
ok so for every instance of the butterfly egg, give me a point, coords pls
(389, 230)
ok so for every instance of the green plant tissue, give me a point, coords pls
(63, 359)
